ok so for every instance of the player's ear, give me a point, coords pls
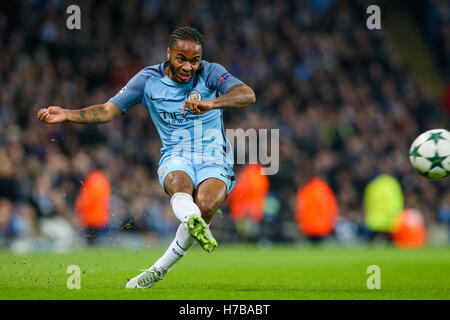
(168, 53)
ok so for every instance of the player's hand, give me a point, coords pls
(52, 114)
(198, 106)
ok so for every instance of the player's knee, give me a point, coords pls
(178, 182)
(207, 208)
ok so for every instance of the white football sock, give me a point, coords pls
(183, 206)
(178, 248)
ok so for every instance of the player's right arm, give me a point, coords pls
(100, 113)
(129, 96)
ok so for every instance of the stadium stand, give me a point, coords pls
(346, 106)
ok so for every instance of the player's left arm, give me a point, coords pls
(238, 96)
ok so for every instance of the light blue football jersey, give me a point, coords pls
(198, 138)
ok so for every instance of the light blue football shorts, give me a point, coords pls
(197, 172)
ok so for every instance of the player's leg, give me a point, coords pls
(176, 177)
(209, 196)
(212, 185)
(178, 184)
(179, 187)
(178, 181)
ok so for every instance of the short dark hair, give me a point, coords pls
(186, 33)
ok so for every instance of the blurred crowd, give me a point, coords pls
(433, 16)
(346, 106)
(437, 29)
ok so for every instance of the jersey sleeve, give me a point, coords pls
(218, 78)
(131, 94)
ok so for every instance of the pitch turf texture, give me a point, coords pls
(233, 272)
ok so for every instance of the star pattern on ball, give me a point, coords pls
(436, 137)
(415, 152)
(436, 161)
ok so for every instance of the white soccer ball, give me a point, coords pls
(430, 154)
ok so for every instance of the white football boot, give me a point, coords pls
(146, 279)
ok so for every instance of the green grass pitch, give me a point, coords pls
(240, 272)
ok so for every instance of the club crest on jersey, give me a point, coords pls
(194, 95)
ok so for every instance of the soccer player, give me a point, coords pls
(185, 97)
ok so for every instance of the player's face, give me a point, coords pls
(184, 57)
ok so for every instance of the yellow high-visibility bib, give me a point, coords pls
(383, 202)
